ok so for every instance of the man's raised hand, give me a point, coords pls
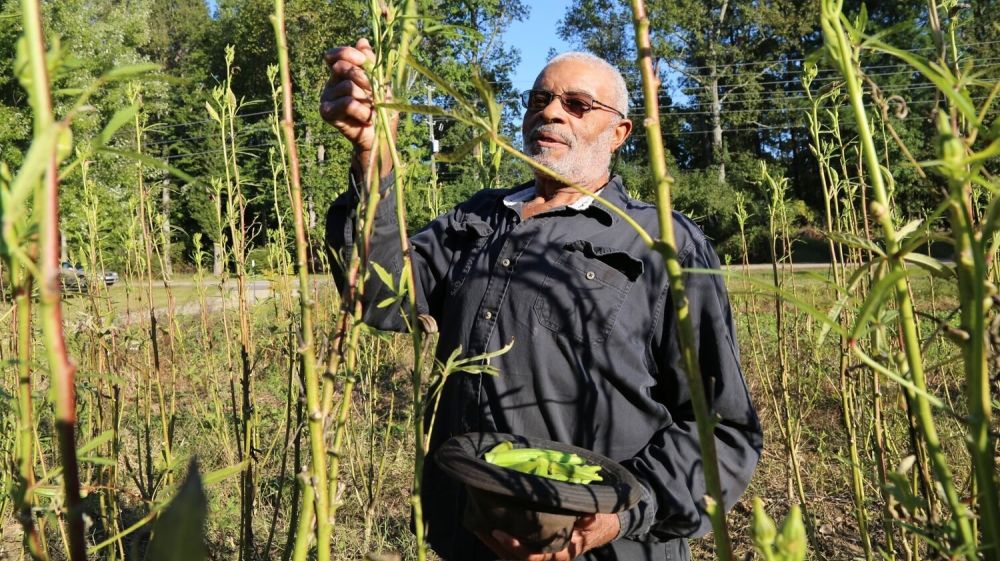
(347, 102)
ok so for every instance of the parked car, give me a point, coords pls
(73, 277)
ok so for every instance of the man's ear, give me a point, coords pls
(623, 129)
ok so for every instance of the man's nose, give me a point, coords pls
(553, 111)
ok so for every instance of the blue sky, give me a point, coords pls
(534, 37)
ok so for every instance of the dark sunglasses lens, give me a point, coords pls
(535, 100)
(577, 104)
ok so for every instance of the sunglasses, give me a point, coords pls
(575, 103)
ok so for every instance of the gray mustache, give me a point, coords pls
(551, 130)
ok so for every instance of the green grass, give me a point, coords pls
(196, 373)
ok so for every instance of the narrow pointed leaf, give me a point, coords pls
(931, 265)
(179, 531)
(876, 298)
(464, 150)
(213, 477)
(121, 117)
(95, 442)
(130, 71)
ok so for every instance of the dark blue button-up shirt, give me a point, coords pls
(595, 360)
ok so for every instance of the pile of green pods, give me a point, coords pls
(561, 466)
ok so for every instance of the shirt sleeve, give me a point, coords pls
(429, 256)
(670, 465)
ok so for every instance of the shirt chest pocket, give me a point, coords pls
(584, 290)
(466, 240)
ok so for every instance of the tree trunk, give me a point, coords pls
(717, 147)
(217, 263)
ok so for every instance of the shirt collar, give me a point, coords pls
(515, 201)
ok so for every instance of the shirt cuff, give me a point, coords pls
(386, 212)
(637, 521)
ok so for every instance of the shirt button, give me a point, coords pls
(505, 262)
(590, 275)
(488, 314)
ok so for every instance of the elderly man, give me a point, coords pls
(595, 361)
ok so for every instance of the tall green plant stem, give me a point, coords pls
(844, 55)
(384, 126)
(975, 294)
(61, 369)
(416, 335)
(667, 247)
(25, 451)
(780, 248)
(846, 385)
(307, 349)
(147, 242)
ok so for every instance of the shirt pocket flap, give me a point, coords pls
(616, 259)
(466, 240)
(472, 228)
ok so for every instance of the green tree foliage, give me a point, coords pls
(732, 93)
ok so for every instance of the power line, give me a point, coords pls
(796, 95)
(772, 62)
(159, 127)
(241, 134)
(724, 111)
(216, 151)
(788, 60)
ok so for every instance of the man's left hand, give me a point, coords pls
(590, 531)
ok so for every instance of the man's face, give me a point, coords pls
(578, 148)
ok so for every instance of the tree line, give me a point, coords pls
(731, 96)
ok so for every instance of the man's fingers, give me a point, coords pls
(344, 70)
(348, 54)
(347, 111)
(366, 49)
(347, 88)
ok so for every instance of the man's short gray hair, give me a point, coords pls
(620, 102)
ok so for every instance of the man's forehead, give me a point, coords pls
(573, 76)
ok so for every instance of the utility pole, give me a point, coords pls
(434, 198)
(434, 142)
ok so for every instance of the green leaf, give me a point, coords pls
(464, 150)
(32, 169)
(853, 240)
(121, 117)
(93, 443)
(98, 460)
(64, 143)
(387, 302)
(420, 108)
(384, 276)
(931, 265)
(861, 22)
(441, 83)
(179, 531)
(908, 229)
(129, 71)
(213, 477)
(940, 76)
(876, 298)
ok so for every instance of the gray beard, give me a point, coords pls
(582, 163)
